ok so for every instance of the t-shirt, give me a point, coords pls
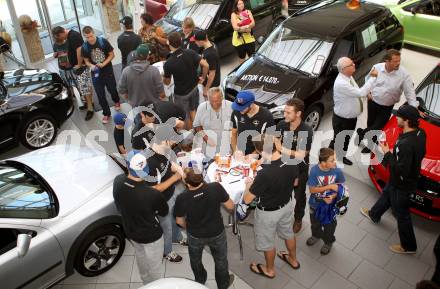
(118, 135)
(201, 208)
(160, 171)
(97, 54)
(259, 123)
(139, 206)
(273, 185)
(299, 139)
(211, 56)
(62, 55)
(182, 65)
(319, 178)
(127, 42)
(74, 41)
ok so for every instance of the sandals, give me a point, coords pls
(285, 257)
(259, 270)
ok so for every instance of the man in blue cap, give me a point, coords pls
(140, 205)
(404, 162)
(250, 118)
(118, 133)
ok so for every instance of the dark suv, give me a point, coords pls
(298, 58)
(214, 16)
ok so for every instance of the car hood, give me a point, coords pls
(76, 174)
(28, 86)
(272, 85)
(431, 162)
(168, 26)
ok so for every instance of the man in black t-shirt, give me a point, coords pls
(98, 54)
(272, 188)
(182, 65)
(139, 206)
(248, 119)
(128, 40)
(198, 210)
(297, 139)
(210, 54)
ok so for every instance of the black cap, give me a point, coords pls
(126, 20)
(407, 112)
(200, 35)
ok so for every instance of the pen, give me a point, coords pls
(234, 181)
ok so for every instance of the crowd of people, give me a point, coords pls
(161, 196)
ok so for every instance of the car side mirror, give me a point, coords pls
(23, 244)
(414, 10)
(260, 40)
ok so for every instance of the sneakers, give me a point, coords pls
(117, 106)
(297, 225)
(400, 250)
(326, 249)
(89, 115)
(231, 279)
(312, 241)
(105, 119)
(173, 257)
(366, 213)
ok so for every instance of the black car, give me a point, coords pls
(298, 59)
(33, 105)
(214, 16)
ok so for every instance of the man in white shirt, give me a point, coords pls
(393, 79)
(348, 105)
(212, 123)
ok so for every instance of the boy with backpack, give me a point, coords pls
(98, 54)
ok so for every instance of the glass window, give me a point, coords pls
(202, 13)
(429, 91)
(257, 3)
(369, 35)
(296, 50)
(22, 196)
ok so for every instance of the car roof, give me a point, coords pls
(333, 19)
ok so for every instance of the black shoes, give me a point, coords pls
(89, 115)
(346, 161)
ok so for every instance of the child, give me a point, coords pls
(118, 133)
(244, 18)
(323, 185)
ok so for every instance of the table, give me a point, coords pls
(234, 186)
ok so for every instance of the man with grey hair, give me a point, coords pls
(348, 105)
(212, 122)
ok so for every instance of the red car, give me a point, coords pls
(426, 201)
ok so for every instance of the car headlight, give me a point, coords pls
(63, 95)
(278, 112)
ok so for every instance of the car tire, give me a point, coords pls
(104, 244)
(313, 116)
(42, 124)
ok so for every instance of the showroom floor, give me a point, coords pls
(359, 259)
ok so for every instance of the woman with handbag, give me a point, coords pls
(242, 22)
(155, 37)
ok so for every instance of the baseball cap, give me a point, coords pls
(243, 100)
(137, 164)
(407, 112)
(142, 51)
(126, 20)
(120, 118)
(200, 35)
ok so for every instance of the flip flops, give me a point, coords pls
(284, 256)
(259, 270)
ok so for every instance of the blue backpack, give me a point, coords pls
(86, 45)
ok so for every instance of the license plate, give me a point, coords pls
(420, 200)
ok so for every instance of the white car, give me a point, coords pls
(57, 214)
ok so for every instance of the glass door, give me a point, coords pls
(6, 24)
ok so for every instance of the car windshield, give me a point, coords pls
(201, 12)
(296, 50)
(22, 196)
(429, 91)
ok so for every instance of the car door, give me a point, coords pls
(223, 29)
(421, 20)
(39, 267)
(263, 12)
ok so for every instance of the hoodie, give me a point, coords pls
(142, 83)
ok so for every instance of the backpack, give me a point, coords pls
(86, 45)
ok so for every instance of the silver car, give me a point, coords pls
(57, 214)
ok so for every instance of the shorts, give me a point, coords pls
(85, 85)
(248, 48)
(188, 102)
(269, 223)
(69, 77)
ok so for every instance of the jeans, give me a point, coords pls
(300, 192)
(219, 251)
(324, 232)
(177, 232)
(398, 201)
(167, 226)
(378, 116)
(106, 81)
(341, 124)
(149, 260)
